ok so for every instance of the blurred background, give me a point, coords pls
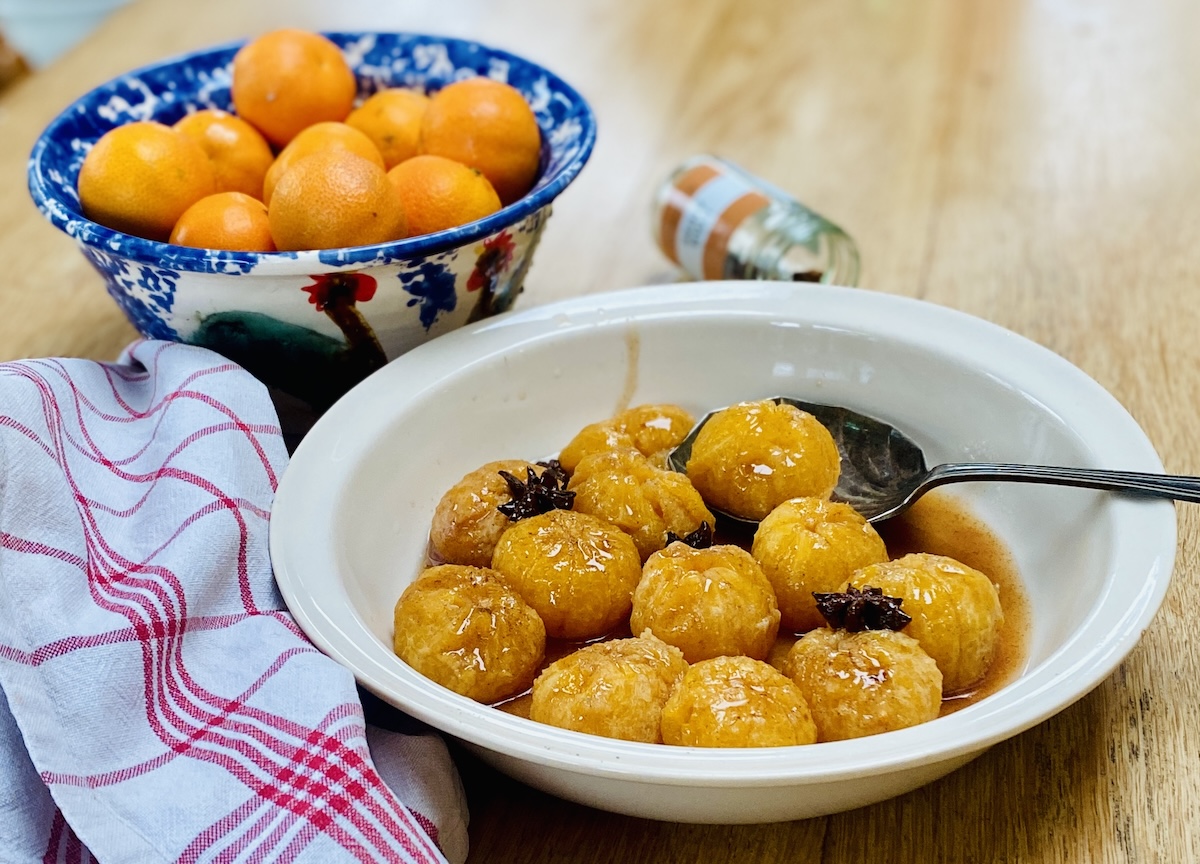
(34, 33)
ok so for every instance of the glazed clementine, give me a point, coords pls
(486, 125)
(286, 80)
(315, 139)
(232, 221)
(392, 119)
(439, 193)
(140, 177)
(334, 198)
(240, 154)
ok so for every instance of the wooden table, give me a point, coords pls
(1034, 163)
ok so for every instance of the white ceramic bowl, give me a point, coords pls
(350, 522)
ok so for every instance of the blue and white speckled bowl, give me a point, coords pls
(314, 323)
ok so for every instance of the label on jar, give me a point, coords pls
(704, 206)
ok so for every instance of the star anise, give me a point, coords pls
(701, 538)
(868, 609)
(537, 494)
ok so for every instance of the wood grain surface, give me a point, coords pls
(1033, 162)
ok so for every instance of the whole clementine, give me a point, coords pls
(288, 79)
(240, 154)
(334, 198)
(315, 139)
(439, 193)
(392, 119)
(227, 220)
(140, 177)
(487, 125)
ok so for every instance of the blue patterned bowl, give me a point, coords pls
(314, 323)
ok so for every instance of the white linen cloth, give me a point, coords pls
(157, 702)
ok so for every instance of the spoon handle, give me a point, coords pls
(1175, 487)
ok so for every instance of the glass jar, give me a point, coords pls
(717, 221)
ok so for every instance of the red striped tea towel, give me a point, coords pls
(157, 702)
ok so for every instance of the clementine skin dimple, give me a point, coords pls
(439, 193)
(392, 119)
(140, 177)
(232, 221)
(239, 153)
(289, 79)
(333, 199)
(489, 126)
(319, 137)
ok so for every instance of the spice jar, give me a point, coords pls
(717, 221)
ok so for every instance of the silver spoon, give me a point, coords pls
(883, 471)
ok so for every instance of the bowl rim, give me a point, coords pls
(303, 548)
(67, 216)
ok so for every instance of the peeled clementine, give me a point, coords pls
(140, 177)
(439, 193)
(334, 198)
(286, 80)
(487, 125)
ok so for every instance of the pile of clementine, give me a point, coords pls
(300, 166)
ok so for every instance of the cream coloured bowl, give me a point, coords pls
(351, 519)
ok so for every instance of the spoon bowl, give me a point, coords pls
(883, 471)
